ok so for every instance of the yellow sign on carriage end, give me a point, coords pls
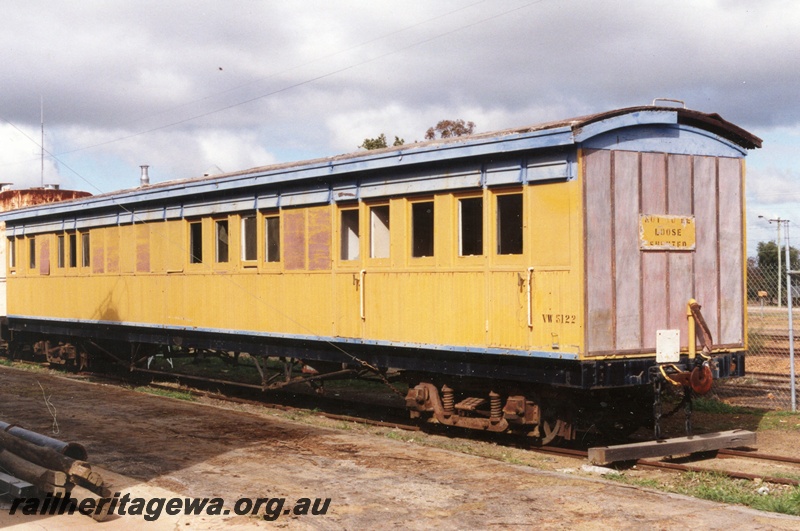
(666, 233)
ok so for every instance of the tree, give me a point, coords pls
(762, 272)
(450, 128)
(768, 257)
(380, 142)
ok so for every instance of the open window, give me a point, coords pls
(32, 253)
(221, 241)
(196, 242)
(470, 226)
(12, 253)
(422, 229)
(249, 239)
(62, 251)
(73, 249)
(350, 235)
(509, 224)
(272, 226)
(379, 242)
(86, 250)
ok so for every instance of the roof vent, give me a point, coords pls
(669, 100)
(145, 179)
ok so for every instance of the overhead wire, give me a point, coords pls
(230, 278)
(319, 77)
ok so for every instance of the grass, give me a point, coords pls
(211, 367)
(780, 420)
(728, 417)
(719, 488)
(179, 395)
(710, 405)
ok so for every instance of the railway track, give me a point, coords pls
(574, 453)
(395, 417)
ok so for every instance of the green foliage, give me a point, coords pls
(380, 142)
(768, 256)
(710, 405)
(720, 488)
(450, 128)
(444, 129)
(180, 395)
(763, 274)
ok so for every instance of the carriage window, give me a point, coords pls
(272, 225)
(422, 229)
(379, 232)
(32, 253)
(249, 238)
(12, 252)
(350, 235)
(61, 251)
(196, 242)
(86, 250)
(221, 231)
(470, 223)
(73, 250)
(509, 224)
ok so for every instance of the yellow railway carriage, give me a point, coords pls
(521, 279)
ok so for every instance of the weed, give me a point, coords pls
(710, 405)
(179, 395)
(720, 488)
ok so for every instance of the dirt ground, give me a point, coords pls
(149, 446)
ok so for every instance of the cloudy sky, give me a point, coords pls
(195, 86)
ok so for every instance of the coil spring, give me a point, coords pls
(448, 400)
(495, 407)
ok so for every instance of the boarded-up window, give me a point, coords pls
(142, 248)
(470, 226)
(249, 238)
(379, 241)
(422, 229)
(44, 260)
(112, 249)
(509, 224)
(127, 248)
(350, 235)
(98, 253)
(319, 239)
(294, 239)
(272, 225)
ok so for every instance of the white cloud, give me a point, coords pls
(21, 162)
(184, 85)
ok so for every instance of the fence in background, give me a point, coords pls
(767, 382)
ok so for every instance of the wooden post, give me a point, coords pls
(43, 478)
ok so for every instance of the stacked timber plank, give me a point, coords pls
(33, 465)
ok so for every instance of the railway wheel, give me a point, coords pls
(552, 431)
